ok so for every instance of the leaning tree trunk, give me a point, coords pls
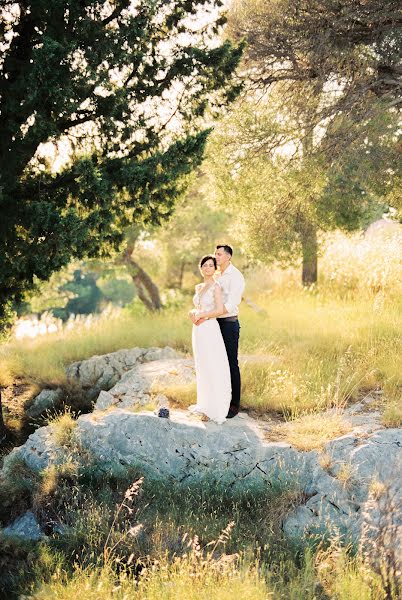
(181, 274)
(3, 429)
(308, 238)
(147, 290)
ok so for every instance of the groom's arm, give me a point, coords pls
(235, 295)
(219, 307)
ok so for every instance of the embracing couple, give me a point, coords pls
(215, 336)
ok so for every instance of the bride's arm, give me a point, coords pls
(193, 313)
(219, 306)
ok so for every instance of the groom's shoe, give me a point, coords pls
(233, 411)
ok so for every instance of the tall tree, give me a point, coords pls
(126, 84)
(283, 204)
(348, 50)
(193, 231)
(316, 71)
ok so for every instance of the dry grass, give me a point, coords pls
(63, 429)
(377, 489)
(180, 396)
(310, 432)
(313, 349)
(392, 415)
(345, 474)
(326, 461)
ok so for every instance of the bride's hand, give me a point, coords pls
(200, 318)
(192, 315)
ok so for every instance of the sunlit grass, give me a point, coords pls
(186, 554)
(44, 359)
(320, 347)
(325, 351)
(63, 429)
(392, 416)
(310, 432)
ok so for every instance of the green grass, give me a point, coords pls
(322, 351)
(203, 541)
(198, 541)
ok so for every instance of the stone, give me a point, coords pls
(338, 507)
(44, 401)
(26, 527)
(38, 452)
(381, 527)
(103, 372)
(184, 449)
(142, 384)
(181, 448)
(340, 499)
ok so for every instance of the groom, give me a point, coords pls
(232, 285)
(231, 282)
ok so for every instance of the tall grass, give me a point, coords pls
(180, 542)
(320, 347)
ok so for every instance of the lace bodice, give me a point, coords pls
(206, 300)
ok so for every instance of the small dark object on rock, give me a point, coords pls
(164, 413)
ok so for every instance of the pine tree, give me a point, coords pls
(125, 85)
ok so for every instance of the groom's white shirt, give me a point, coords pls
(232, 284)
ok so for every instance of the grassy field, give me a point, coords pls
(318, 347)
(303, 351)
(149, 540)
(316, 351)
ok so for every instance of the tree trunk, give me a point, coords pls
(3, 429)
(147, 290)
(181, 275)
(308, 237)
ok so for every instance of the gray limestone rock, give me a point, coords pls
(340, 499)
(381, 527)
(25, 526)
(44, 401)
(140, 385)
(103, 372)
(339, 506)
(185, 449)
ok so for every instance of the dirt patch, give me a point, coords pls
(14, 399)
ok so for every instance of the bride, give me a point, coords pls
(210, 357)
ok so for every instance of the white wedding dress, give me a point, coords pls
(211, 363)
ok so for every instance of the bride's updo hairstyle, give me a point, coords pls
(208, 257)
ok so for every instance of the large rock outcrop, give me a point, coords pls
(141, 384)
(103, 372)
(237, 453)
(346, 495)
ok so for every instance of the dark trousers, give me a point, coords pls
(230, 333)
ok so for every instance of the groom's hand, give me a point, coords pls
(199, 321)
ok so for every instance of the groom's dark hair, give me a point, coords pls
(226, 248)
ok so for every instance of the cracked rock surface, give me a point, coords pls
(140, 384)
(103, 372)
(183, 449)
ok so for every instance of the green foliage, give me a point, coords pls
(101, 77)
(87, 295)
(345, 53)
(117, 290)
(195, 228)
(282, 196)
(318, 101)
